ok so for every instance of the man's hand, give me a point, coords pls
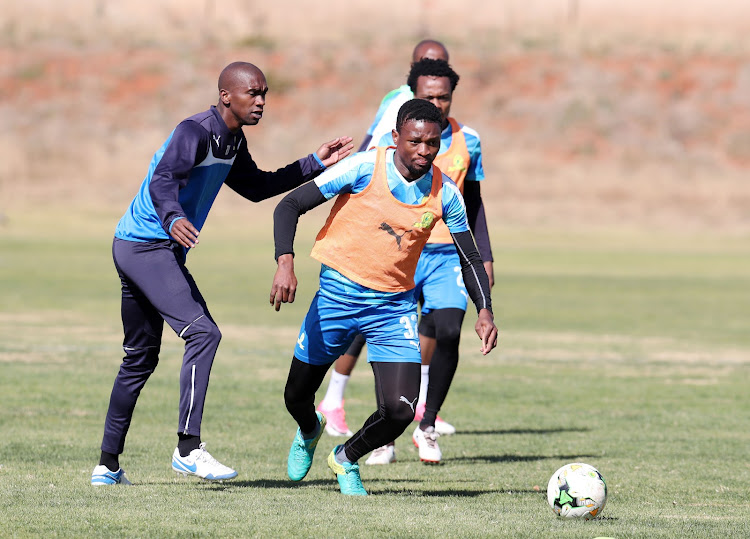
(185, 233)
(487, 331)
(488, 267)
(284, 282)
(335, 150)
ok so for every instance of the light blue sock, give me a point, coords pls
(341, 457)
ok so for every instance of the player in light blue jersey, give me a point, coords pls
(388, 202)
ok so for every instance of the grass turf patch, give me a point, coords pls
(628, 358)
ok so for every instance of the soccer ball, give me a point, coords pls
(577, 490)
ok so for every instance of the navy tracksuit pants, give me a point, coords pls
(157, 287)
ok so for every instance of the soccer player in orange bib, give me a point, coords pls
(388, 201)
(332, 404)
(439, 287)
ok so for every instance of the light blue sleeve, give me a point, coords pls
(386, 140)
(388, 120)
(350, 175)
(382, 108)
(476, 170)
(454, 208)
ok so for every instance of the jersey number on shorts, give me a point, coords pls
(410, 323)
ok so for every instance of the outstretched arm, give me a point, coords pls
(254, 184)
(285, 219)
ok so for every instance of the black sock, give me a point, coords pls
(187, 443)
(110, 460)
(310, 435)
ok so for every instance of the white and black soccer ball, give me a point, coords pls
(577, 490)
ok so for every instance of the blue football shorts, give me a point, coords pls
(440, 284)
(331, 324)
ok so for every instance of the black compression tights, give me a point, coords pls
(299, 395)
(396, 392)
(443, 325)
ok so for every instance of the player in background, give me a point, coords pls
(388, 202)
(151, 242)
(385, 118)
(439, 288)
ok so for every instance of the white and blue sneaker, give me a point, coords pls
(200, 463)
(104, 476)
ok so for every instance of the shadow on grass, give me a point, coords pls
(518, 458)
(522, 431)
(271, 483)
(459, 492)
(324, 484)
(410, 487)
(286, 484)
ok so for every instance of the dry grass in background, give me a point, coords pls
(590, 113)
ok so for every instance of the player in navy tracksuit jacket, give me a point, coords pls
(151, 242)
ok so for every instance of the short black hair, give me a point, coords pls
(427, 67)
(418, 110)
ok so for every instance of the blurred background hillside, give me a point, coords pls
(592, 113)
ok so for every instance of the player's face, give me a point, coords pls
(436, 90)
(247, 98)
(416, 148)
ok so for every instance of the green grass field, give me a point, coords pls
(629, 351)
